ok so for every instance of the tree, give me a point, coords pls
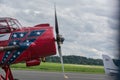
(72, 59)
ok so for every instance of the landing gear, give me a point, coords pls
(8, 73)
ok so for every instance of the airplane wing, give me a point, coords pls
(109, 66)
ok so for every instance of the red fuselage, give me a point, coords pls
(34, 42)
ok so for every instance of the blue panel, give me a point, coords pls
(19, 35)
(14, 42)
(36, 33)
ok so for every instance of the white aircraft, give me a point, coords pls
(111, 66)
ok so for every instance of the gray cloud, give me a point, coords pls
(90, 27)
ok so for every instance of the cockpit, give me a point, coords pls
(8, 25)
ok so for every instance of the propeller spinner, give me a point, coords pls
(60, 41)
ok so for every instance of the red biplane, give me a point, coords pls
(26, 44)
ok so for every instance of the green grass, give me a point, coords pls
(57, 68)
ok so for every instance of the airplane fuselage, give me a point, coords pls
(34, 43)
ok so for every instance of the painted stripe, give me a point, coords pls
(4, 36)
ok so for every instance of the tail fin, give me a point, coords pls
(109, 66)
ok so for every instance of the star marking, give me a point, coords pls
(6, 55)
(18, 53)
(27, 44)
(4, 59)
(14, 43)
(14, 56)
(15, 35)
(38, 33)
(8, 52)
(21, 35)
(11, 59)
(27, 40)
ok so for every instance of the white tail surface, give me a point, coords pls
(109, 65)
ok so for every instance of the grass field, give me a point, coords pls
(57, 68)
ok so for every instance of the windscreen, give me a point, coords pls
(3, 24)
(14, 24)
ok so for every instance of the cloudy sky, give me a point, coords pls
(89, 26)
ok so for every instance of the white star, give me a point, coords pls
(4, 59)
(8, 52)
(21, 35)
(27, 40)
(6, 55)
(14, 43)
(11, 59)
(38, 33)
(14, 56)
(15, 35)
(18, 53)
(27, 44)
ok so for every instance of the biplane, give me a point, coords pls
(26, 44)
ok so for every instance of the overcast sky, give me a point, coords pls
(89, 26)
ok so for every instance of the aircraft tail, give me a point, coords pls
(109, 66)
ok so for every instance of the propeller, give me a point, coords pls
(60, 41)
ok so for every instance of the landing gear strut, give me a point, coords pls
(8, 73)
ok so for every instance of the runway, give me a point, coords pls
(38, 75)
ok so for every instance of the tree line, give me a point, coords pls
(72, 59)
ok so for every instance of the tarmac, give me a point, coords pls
(38, 75)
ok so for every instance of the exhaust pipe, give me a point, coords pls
(9, 48)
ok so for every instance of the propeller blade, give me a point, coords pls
(56, 22)
(61, 59)
(59, 40)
